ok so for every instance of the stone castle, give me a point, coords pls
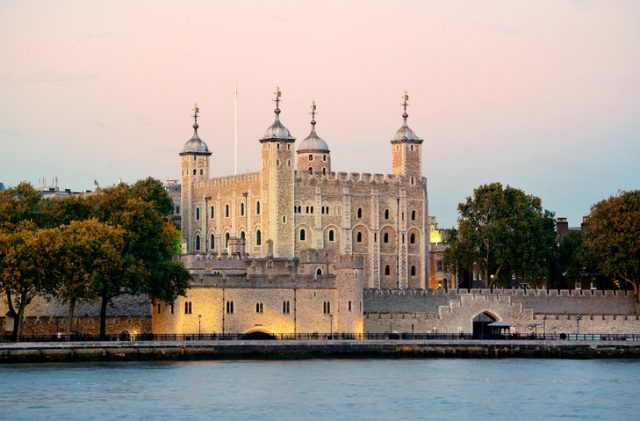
(296, 202)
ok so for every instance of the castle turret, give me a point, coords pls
(195, 168)
(313, 152)
(406, 155)
(276, 179)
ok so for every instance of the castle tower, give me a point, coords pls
(195, 168)
(313, 152)
(276, 179)
(406, 155)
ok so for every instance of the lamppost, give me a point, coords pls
(578, 318)
(199, 319)
(544, 325)
(331, 326)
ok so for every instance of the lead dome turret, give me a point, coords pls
(313, 152)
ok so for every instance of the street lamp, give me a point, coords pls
(544, 325)
(199, 319)
(331, 326)
(578, 318)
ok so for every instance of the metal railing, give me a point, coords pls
(124, 337)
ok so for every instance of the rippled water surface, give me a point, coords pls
(462, 389)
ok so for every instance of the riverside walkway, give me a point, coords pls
(16, 352)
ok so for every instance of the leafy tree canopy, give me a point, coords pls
(611, 235)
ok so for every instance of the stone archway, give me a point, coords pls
(259, 334)
(481, 325)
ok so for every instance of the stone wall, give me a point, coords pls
(533, 311)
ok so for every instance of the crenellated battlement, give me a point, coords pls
(353, 177)
(218, 182)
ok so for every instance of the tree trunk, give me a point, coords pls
(12, 313)
(72, 307)
(103, 316)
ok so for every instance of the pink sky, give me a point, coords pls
(542, 95)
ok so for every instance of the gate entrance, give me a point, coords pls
(481, 324)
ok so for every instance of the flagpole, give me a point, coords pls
(235, 134)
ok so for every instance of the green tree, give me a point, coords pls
(505, 232)
(611, 235)
(149, 243)
(91, 252)
(30, 264)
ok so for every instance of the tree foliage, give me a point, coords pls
(505, 232)
(611, 235)
(95, 247)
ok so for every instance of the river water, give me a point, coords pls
(375, 389)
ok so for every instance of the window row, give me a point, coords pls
(412, 271)
(302, 235)
(387, 213)
(227, 211)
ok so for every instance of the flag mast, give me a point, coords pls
(235, 133)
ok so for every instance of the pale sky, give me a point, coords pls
(542, 95)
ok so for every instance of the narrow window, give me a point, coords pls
(310, 170)
(258, 208)
(226, 240)
(258, 238)
(213, 212)
(331, 235)
(226, 211)
(324, 157)
(359, 213)
(413, 215)
(194, 172)
(178, 210)
(241, 209)
(385, 238)
(172, 309)
(375, 237)
(242, 235)
(284, 219)
(212, 242)
(197, 242)
(302, 235)
(324, 171)
(307, 209)
(310, 157)
(411, 147)
(386, 214)
(349, 306)
(318, 272)
(359, 237)
(322, 210)
(412, 239)
(158, 308)
(197, 214)
(413, 271)
(387, 270)
(311, 209)
(229, 307)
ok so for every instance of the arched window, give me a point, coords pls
(258, 238)
(324, 157)
(412, 239)
(302, 234)
(241, 209)
(258, 208)
(242, 234)
(318, 272)
(310, 170)
(385, 238)
(413, 271)
(212, 242)
(331, 235)
(197, 242)
(387, 270)
(359, 213)
(226, 240)
(194, 172)
(310, 157)
(413, 215)
(386, 214)
(359, 237)
(197, 214)
(226, 211)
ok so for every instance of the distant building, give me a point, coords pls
(439, 277)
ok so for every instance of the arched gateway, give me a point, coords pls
(481, 325)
